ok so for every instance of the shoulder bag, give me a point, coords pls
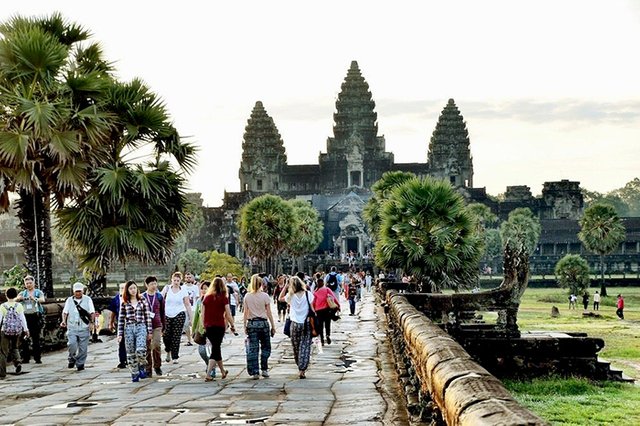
(312, 319)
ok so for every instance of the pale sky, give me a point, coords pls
(550, 90)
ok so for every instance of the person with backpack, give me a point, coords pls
(32, 300)
(333, 280)
(12, 325)
(78, 318)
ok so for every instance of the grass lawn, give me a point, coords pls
(579, 401)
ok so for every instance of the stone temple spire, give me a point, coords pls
(355, 108)
(263, 153)
(449, 154)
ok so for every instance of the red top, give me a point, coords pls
(214, 310)
(621, 303)
(320, 298)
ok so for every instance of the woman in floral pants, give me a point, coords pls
(134, 323)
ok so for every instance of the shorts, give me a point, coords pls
(282, 307)
(233, 310)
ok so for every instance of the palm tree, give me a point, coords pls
(601, 232)
(427, 231)
(573, 272)
(521, 229)
(51, 125)
(266, 227)
(381, 190)
(131, 209)
(307, 234)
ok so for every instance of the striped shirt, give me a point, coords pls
(134, 315)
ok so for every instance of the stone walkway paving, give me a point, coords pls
(342, 385)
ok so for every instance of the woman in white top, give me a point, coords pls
(299, 300)
(177, 307)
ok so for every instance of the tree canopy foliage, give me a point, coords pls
(573, 273)
(193, 261)
(307, 233)
(521, 228)
(221, 264)
(381, 191)
(625, 200)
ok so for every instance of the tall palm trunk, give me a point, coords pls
(34, 211)
(97, 285)
(603, 287)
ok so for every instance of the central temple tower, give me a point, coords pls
(355, 155)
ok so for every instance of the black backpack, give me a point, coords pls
(332, 282)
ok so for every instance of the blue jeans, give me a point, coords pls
(259, 336)
(352, 306)
(78, 341)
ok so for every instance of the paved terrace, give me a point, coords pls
(344, 385)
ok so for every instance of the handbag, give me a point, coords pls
(287, 327)
(199, 338)
(311, 318)
(331, 302)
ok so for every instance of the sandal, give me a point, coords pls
(208, 379)
(224, 374)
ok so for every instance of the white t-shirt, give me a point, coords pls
(174, 302)
(299, 308)
(236, 291)
(596, 297)
(193, 292)
(73, 320)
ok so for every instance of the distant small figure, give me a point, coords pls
(572, 301)
(585, 300)
(596, 301)
(555, 312)
(620, 305)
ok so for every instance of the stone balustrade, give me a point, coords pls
(442, 382)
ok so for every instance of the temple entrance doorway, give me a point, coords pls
(352, 245)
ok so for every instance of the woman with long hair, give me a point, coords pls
(324, 312)
(177, 307)
(300, 301)
(134, 324)
(257, 318)
(216, 314)
(198, 326)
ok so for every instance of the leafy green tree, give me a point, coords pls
(267, 224)
(521, 228)
(51, 124)
(612, 198)
(427, 231)
(485, 217)
(193, 261)
(492, 246)
(630, 194)
(221, 264)
(573, 273)
(131, 209)
(14, 276)
(601, 232)
(307, 233)
(381, 190)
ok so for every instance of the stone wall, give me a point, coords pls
(441, 381)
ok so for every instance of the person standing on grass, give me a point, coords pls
(176, 309)
(300, 301)
(12, 325)
(620, 306)
(32, 300)
(257, 318)
(156, 311)
(78, 318)
(135, 328)
(585, 300)
(215, 316)
(596, 301)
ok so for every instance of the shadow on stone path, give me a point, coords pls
(341, 386)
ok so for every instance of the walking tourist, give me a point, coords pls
(282, 306)
(234, 292)
(14, 324)
(204, 349)
(585, 300)
(257, 319)
(352, 294)
(300, 300)
(333, 280)
(134, 327)
(78, 318)
(192, 290)
(367, 280)
(323, 299)
(176, 309)
(32, 299)
(596, 301)
(156, 312)
(620, 306)
(114, 307)
(215, 316)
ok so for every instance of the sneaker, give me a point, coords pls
(122, 365)
(142, 373)
(80, 367)
(135, 378)
(265, 373)
(168, 358)
(158, 371)
(71, 364)
(328, 340)
(255, 377)
(18, 368)
(175, 361)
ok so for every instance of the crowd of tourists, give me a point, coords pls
(147, 320)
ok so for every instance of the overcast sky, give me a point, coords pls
(550, 90)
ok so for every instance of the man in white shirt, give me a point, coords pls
(367, 280)
(78, 317)
(234, 291)
(192, 289)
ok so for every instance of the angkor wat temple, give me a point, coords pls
(338, 186)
